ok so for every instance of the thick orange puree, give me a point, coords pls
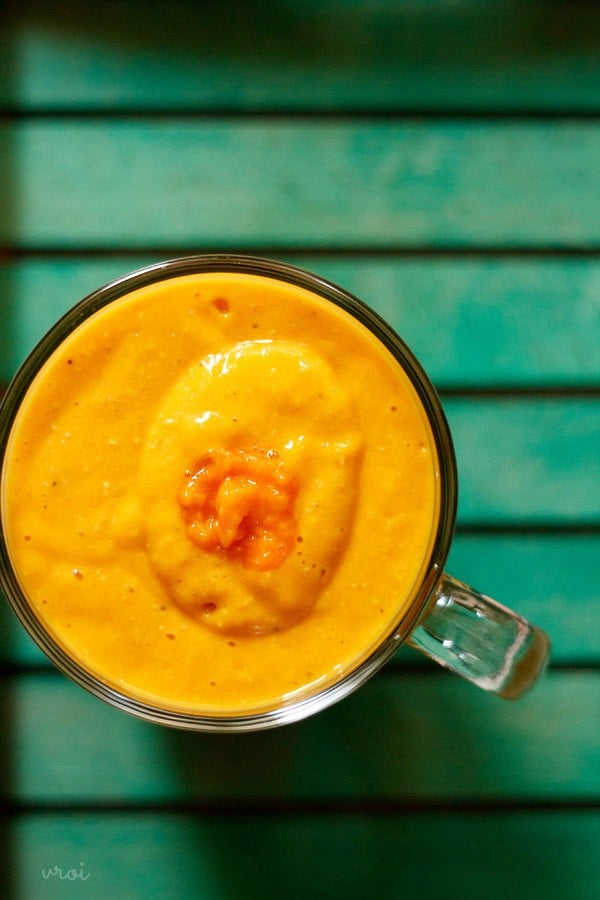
(221, 491)
(241, 503)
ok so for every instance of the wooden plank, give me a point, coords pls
(280, 183)
(347, 856)
(352, 54)
(550, 579)
(403, 737)
(532, 460)
(498, 322)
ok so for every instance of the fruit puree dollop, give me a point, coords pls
(261, 448)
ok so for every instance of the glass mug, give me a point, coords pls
(461, 629)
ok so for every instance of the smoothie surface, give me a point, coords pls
(221, 492)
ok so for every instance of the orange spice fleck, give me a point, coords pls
(221, 304)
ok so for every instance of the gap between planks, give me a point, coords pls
(269, 807)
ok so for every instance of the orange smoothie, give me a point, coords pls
(220, 494)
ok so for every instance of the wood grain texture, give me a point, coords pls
(527, 460)
(343, 55)
(221, 184)
(404, 736)
(475, 321)
(329, 858)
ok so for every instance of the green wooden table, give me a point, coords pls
(441, 160)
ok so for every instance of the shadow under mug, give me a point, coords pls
(459, 628)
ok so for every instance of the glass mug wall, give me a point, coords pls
(228, 495)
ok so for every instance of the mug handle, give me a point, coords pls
(477, 638)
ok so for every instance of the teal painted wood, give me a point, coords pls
(550, 579)
(404, 736)
(379, 55)
(533, 460)
(252, 183)
(472, 321)
(341, 857)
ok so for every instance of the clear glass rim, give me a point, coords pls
(398, 631)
